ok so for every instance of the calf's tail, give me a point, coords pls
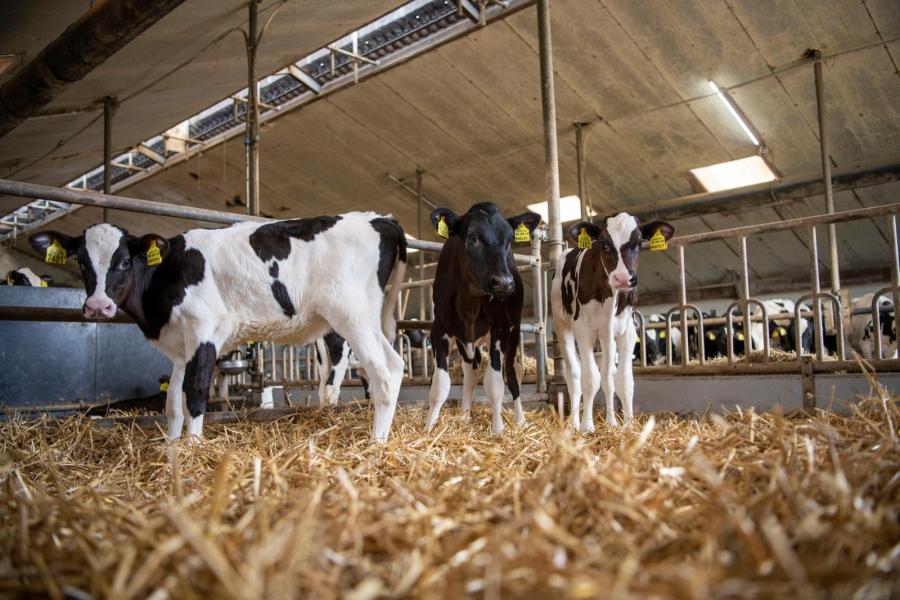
(393, 263)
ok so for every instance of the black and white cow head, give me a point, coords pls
(26, 277)
(486, 237)
(619, 239)
(109, 258)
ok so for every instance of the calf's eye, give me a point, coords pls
(126, 264)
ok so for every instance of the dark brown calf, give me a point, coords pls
(478, 298)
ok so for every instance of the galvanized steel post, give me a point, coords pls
(818, 329)
(551, 151)
(419, 173)
(582, 175)
(109, 107)
(540, 334)
(826, 172)
(252, 114)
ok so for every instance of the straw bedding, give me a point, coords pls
(746, 505)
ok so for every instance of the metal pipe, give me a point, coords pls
(818, 329)
(786, 189)
(109, 107)
(838, 217)
(88, 198)
(582, 175)
(826, 171)
(682, 289)
(97, 35)
(419, 173)
(745, 296)
(537, 300)
(551, 151)
(252, 115)
(895, 271)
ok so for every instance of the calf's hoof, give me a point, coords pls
(587, 426)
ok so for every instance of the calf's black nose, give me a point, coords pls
(500, 284)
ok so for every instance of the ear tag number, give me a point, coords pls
(56, 254)
(442, 229)
(522, 233)
(584, 239)
(154, 257)
(658, 242)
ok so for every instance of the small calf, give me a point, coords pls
(593, 294)
(200, 294)
(478, 294)
(24, 276)
(862, 329)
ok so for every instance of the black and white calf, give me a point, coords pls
(478, 293)
(25, 277)
(334, 357)
(288, 281)
(593, 294)
(862, 328)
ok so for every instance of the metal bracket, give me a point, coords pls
(808, 382)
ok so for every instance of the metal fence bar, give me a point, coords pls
(838, 217)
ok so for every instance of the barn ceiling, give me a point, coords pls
(469, 114)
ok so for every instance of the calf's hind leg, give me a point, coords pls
(383, 365)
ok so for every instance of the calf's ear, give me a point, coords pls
(666, 229)
(529, 219)
(154, 247)
(449, 218)
(589, 228)
(44, 239)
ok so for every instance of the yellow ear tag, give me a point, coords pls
(43, 283)
(164, 386)
(638, 341)
(154, 257)
(442, 229)
(658, 242)
(782, 331)
(662, 335)
(740, 336)
(56, 254)
(711, 336)
(584, 239)
(522, 233)
(9, 280)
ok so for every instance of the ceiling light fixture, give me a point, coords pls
(734, 174)
(734, 113)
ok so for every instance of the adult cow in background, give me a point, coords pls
(478, 295)
(593, 294)
(201, 293)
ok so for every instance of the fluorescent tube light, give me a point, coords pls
(734, 113)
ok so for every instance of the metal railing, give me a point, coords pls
(746, 303)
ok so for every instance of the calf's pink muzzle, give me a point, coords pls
(99, 307)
